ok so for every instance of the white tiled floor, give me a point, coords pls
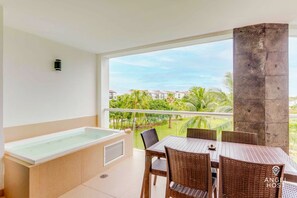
(124, 181)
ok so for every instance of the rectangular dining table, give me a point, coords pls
(244, 152)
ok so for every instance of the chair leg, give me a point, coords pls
(155, 180)
(215, 193)
(167, 191)
(141, 194)
(167, 194)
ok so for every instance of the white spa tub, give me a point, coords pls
(47, 147)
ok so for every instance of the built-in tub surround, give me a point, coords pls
(44, 148)
(32, 130)
(42, 174)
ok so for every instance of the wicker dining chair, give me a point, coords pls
(240, 137)
(149, 138)
(188, 174)
(206, 134)
(289, 190)
(240, 179)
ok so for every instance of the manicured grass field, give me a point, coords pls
(164, 131)
(293, 138)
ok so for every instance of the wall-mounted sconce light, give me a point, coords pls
(58, 66)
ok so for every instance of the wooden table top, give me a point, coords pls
(244, 152)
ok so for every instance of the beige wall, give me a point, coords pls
(32, 130)
(38, 100)
(34, 92)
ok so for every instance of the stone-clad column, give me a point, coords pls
(261, 82)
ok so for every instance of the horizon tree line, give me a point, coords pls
(198, 99)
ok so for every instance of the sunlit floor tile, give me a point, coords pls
(124, 181)
(85, 192)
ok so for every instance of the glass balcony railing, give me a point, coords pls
(167, 122)
(176, 123)
(293, 136)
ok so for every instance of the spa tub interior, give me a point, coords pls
(47, 147)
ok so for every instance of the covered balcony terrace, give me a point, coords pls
(55, 136)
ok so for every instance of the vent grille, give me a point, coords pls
(113, 152)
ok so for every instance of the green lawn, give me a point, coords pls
(164, 131)
(293, 138)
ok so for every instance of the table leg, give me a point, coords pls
(147, 177)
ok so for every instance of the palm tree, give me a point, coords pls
(157, 104)
(174, 104)
(138, 99)
(199, 99)
(118, 118)
(225, 101)
(170, 101)
(229, 81)
(113, 115)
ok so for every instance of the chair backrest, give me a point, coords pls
(191, 170)
(149, 137)
(206, 134)
(246, 179)
(240, 137)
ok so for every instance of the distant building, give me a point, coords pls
(180, 94)
(112, 95)
(154, 94)
(292, 103)
(158, 94)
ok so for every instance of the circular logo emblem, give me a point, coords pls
(275, 170)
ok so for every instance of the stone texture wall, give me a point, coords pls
(261, 82)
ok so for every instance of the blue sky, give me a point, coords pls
(182, 68)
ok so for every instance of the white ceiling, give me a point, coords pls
(108, 25)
